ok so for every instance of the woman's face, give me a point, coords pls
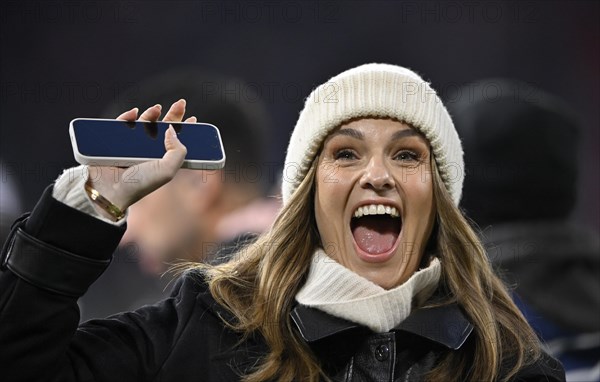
(374, 199)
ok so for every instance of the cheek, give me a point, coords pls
(424, 193)
(330, 194)
(157, 201)
(332, 188)
(419, 194)
(322, 192)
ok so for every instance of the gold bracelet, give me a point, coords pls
(106, 205)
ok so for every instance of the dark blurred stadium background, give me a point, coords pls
(62, 60)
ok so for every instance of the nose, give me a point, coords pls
(377, 176)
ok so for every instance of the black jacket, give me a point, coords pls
(57, 252)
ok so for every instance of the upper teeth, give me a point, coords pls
(376, 209)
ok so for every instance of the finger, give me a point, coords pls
(191, 119)
(151, 113)
(175, 154)
(130, 115)
(176, 112)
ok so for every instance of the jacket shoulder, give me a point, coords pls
(193, 285)
(190, 281)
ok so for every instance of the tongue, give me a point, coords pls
(375, 234)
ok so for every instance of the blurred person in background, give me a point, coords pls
(199, 213)
(521, 149)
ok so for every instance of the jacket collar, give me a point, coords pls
(445, 325)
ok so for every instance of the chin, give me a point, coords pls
(388, 269)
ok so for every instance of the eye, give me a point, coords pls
(345, 154)
(407, 156)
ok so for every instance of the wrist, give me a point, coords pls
(102, 188)
(107, 182)
(103, 205)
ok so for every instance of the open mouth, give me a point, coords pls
(376, 228)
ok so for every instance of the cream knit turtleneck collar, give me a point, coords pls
(338, 291)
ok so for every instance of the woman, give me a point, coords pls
(370, 272)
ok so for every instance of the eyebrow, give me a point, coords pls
(359, 135)
(350, 133)
(404, 133)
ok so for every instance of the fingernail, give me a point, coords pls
(172, 131)
(159, 106)
(182, 101)
(135, 109)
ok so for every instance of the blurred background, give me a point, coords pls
(62, 60)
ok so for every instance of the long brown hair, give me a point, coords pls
(502, 336)
(259, 284)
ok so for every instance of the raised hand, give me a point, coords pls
(125, 186)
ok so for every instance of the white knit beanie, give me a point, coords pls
(381, 91)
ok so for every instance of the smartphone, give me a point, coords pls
(110, 142)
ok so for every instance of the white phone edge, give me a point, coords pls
(128, 162)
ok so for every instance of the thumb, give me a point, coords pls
(176, 151)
